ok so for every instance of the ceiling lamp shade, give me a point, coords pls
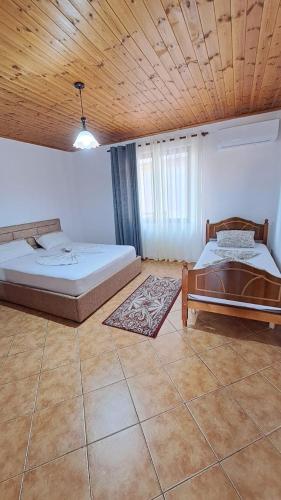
(84, 140)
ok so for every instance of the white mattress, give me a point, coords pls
(91, 270)
(263, 261)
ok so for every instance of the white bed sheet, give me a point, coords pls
(263, 261)
(91, 270)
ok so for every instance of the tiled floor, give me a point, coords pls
(101, 413)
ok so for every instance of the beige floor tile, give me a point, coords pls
(192, 377)
(95, 343)
(177, 304)
(18, 398)
(226, 364)
(23, 323)
(60, 330)
(167, 327)
(230, 327)
(64, 478)
(13, 443)
(175, 318)
(58, 385)
(271, 343)
(153, 393)
(138, 358)
(5, 345)
(260, 400)
(256, 353)
(200, 340)
(100, 371)
(171, 347)
(108, 410)
(10, 489)
(55, 431)
(255, 471)
(122, 338)
(20, 366)
(28, 341)
(60, 353)
(275, 438)
(224, 423)
(177, 446)
(120, 467)
(211, 484)
(273, 374)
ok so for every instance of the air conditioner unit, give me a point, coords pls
(248, 134)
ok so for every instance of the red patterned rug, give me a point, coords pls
(146, 309)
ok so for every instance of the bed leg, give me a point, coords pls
(192, 317)
(271, 326)
(184, 312)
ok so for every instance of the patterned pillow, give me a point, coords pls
(236, 239)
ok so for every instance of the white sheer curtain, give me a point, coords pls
(169, 183)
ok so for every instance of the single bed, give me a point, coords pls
(69, 291)
(249, 290)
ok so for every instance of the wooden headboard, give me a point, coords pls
(29, 231)
(261, 230)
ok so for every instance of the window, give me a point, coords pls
(166, 197)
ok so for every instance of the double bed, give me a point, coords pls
(249, 289)
(71, 290)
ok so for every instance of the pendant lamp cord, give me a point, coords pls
(81, 102)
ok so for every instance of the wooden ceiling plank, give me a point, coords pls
(9, 96)
(270, 89)
(268, 23)
(67, 72)
(176, 19)
(109, 46)
(238, 19)
(222, 10)
(93, 54)
(160, 75)
(60, 104)
(209, 28)
(253, 22)
(67, 64)
(148, 85)
(150, 31)
(112, 20)
(97, 122)
(161, 22)
(193, 22)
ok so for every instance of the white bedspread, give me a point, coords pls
(96, 263)
(262, 261)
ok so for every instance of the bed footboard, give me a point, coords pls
(232, 281)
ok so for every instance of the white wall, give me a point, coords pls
(242, 181)
(94, 196)
(35, 184)
(276, 244)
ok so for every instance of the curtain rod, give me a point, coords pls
(170, 140)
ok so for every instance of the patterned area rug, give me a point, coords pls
(145, 310)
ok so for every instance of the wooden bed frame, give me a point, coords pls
(58, 304)
(233, 281)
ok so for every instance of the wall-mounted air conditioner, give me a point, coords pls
(248, 134)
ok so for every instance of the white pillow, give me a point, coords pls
(236, 239)
(52, 240)
(14, 249)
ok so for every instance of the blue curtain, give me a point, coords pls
(125, 196)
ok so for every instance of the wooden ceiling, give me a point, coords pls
(148, 65)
